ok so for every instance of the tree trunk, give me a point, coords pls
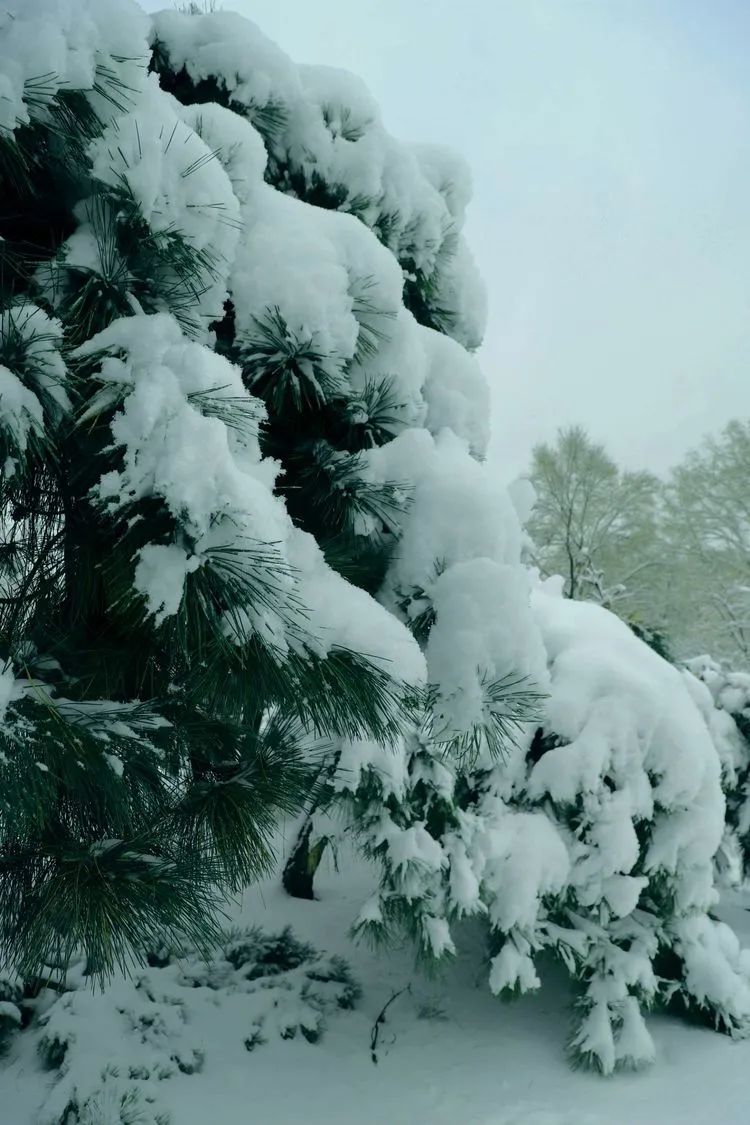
(299, 870)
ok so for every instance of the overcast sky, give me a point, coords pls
(609, 142)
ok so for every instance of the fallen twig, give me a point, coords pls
(381, 1019)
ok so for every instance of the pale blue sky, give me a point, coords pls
(610, 147)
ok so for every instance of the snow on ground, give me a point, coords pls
(449, 1053)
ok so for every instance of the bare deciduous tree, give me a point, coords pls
(592, 523)
(708, 528)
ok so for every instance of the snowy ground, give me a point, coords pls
(450, 1054)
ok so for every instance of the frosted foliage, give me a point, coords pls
(402, 357)
(52, 45)
(329, 129)
(638, 760)
(461, 292)
(8, 688)
(311, 264)
(20, 410)
(160, 577)
(177, 184)
(232, 49)
(161, 425)
(340, 614)
(40, 339)
(173, 392)
(112, 1054)
(448, 173)
(37, 386)
(729, 690)
(600, 846)
(724, 698)
(357, 757)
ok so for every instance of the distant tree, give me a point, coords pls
(593, 523)
(708, 530)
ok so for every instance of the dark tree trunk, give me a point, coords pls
(299, 870)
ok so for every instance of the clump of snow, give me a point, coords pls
(177, 184)
(160, 577)
(36, 386)
(20, 410)
(8, 688)
(238, 146)
(456, 392)
(289, 260)
(48, 46)
(229, 48)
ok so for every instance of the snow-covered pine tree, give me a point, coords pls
(340, 337)
(168, 637)
(590, 832)
(238, 239)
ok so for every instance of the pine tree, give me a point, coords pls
(255, 552)
(327, 413)
(162, 666)
(584, 823)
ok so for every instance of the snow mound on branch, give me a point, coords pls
(623, 711)
(336, 289)
(459, 511)
(238, 146)
(48, 46)
(456, 392)
(34, 395)
(307, 262)
(729, 690)
(458, 560)
(177, 185)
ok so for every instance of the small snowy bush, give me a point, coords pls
(11, 995)
(594, 837)
(112, 1050)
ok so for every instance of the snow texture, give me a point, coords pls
(448, 1052)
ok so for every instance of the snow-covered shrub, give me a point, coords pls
(112, 1050)
(594, 838)
(724, 697)
(11, 995)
